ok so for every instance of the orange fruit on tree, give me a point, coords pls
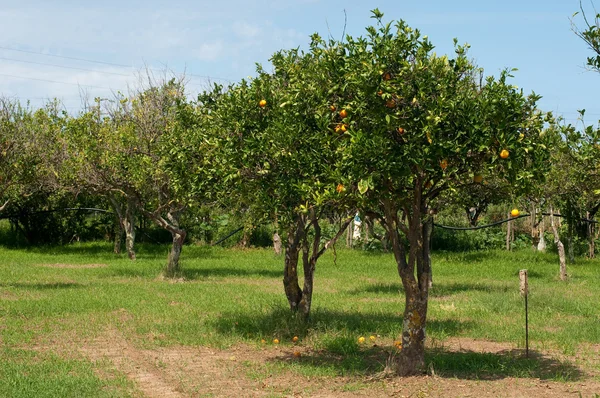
(262, 103)
(514, 212)
(380, 93)
(504, 154)
(443, 164)
(400, 130)
(340, 188)
(478, 178)
(332, 108)
(343, 113)
(390, 103)
(387, 76)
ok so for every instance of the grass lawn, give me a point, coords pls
(66, 311)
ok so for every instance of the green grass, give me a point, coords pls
(229, 296)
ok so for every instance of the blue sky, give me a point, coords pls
(225, 39)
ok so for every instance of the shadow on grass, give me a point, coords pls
(282, 323)
(200, 273)
(338, 351)
(466, 365)
(438, 289)
(104, 250)
(494, 366)
(42, 286)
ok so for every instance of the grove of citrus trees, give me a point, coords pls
(378, 124)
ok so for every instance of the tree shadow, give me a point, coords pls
(379, 288)
(280, 322)
(104, 251)
(466, 365)
(439, 289)
(203, 273)
(42, 286)
(473, 365)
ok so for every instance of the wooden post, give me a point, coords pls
(524, 289)
(508, 232)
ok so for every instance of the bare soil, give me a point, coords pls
(245, 371)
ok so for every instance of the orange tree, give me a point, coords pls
(147, 154)
(164, 154)
(419, 124)
(572, 183)
(281, 134)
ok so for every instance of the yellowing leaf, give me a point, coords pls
(363, 187)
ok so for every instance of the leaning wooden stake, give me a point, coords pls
(524, 292)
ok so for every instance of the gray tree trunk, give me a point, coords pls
(561, 248)
(126, 215)
(591, 242)
(277, 243)
(118, 237)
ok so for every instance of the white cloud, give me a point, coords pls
(210, 51)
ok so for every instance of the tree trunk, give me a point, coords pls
(535, 231)
(173, 268)
(591, 242)
(277, 243)
(178, 235)
(301, 300)
(127, 220)
(349, 237)
(309, 263)
(118, 237)
(290, 270)
(411, 359)
(129, 227)
(541, 246)
(561, 248)
(571, 242)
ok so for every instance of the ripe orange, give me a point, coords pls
(263, 341)
(295, 338)
(514, 212)
(387, 76)
(443, 164)
(262, 103)
(343, 113)
(340, 188)
(400, 130)
(390, 103)
(380, 93)
(504, 154)
(361, 340)
(477, 178)
(275, 341)
(372, 338)
(297, 354)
